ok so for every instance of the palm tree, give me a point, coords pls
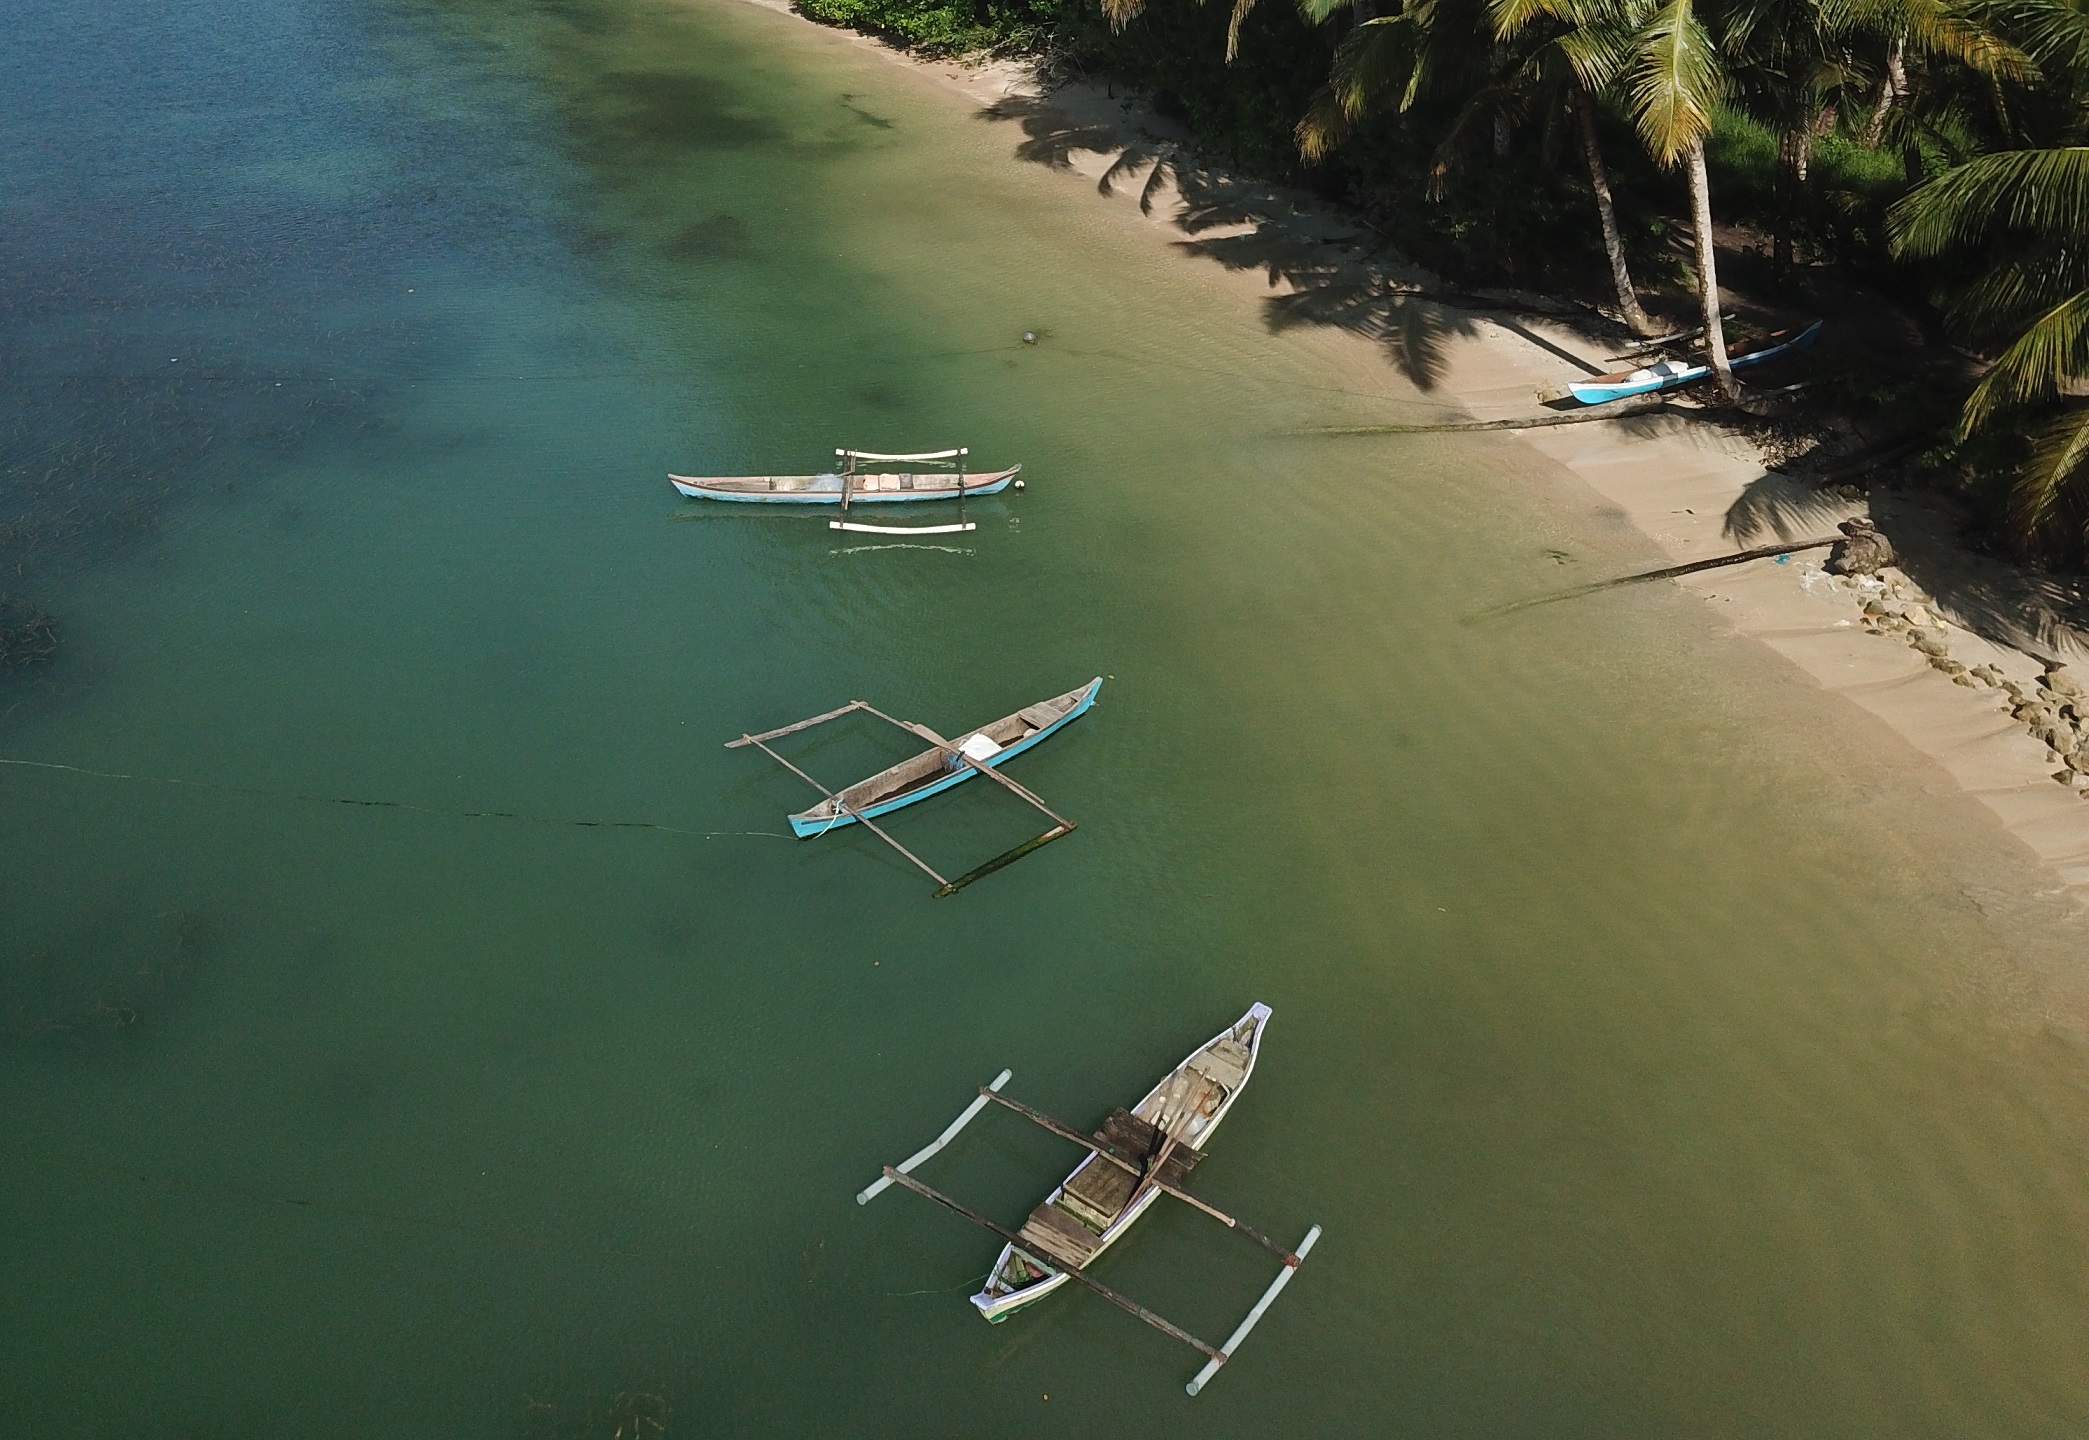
(1121, 13)
(1794, 62)
(1673, 81)
(1389, 62)
(2028, 210)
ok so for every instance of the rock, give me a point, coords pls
(2015, 691)
(2061, 681)
(1930, 642)
(1948, 665)
(1861, 551)
(1966, 680)
(1883, 607)
(1986, 674)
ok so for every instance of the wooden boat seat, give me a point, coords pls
(1037, 717)
(1100, 1192)
(1224, 1064)
(1059, 1237)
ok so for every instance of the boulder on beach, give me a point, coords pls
(1861, 551)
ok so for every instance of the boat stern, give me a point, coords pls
(810, 825)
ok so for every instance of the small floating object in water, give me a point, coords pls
(1029, 337)
(1137, 1156)
(949, 763)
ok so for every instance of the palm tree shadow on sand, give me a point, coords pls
(1232, 222)
(2027, 609)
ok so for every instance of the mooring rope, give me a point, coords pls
(267, 794)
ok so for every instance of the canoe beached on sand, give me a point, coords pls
(1672, 374)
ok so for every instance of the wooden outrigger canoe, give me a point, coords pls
(1099, 1201)
(826, 489)
(936, 770)
(1137, 1156)
(1673, 374)
(851, 486)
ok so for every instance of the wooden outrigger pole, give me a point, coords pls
(944, 887)
(1146, 1174)
(848, 473)
(840, 804)
(1122, 1302)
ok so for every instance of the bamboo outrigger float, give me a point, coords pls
(946, 764)
(1136, 1157)
(848, 484)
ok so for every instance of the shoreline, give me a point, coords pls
(1947, 681)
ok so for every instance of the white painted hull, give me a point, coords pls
(996, 1302)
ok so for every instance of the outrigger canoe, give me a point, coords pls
(1098, 1201)
(853, 486)
(1672, 374)
(934, 771)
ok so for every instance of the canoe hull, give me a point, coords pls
(1671, 375)
(810, 824)
(826, 489)
(994, 1305)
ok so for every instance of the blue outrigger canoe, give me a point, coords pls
(934, 771)
(1673, 374)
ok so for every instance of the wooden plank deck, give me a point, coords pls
(1093, 1200)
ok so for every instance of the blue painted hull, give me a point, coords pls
(807, 829)
(1670, 375)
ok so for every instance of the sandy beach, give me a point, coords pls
(1694, 488)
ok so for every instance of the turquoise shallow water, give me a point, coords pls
(1663, 1051)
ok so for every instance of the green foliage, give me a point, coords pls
(1820, 121)
(950, 26)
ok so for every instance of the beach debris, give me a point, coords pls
(1861, 551)
(1029, 337)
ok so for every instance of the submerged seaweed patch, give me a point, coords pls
(683, 110)
(28, 636)
(722, 237)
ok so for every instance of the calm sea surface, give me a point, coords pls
(1665, 1051)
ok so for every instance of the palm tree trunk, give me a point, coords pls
(1707, 271)
(1599, 181)
(1792, 146)
(1893, 88)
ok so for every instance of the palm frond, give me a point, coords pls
(1240, 15)
(2056, 32)
(1675, 84)
(2042, 191)
(1121, 13)
(1599, 53)
(2039, 364)
(2017, 287)
(1940, 28)
(2049, 501)
(1325, 125)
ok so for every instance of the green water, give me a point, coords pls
(1664, 1050)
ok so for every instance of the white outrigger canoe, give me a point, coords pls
(1099, 1201)
(851, 486)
